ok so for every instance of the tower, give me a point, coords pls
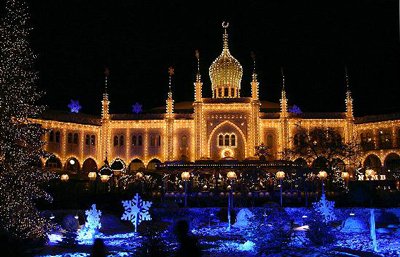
(284, 132)
(198, 109)
(168, 147)
(105, 119)
(198, 85)
(255, 107)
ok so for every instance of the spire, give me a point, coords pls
(105, 103)
(170, 101)
(225, 25)
(106, 75)
(198, 75)
(283, 100)
(349, 99)
(254, 83)
(198, 84)
(171, 73)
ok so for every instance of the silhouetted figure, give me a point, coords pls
(98, 248)
(188, 244)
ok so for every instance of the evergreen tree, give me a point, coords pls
(20, 137)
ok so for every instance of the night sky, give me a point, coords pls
(139, 40)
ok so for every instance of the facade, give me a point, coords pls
(227, 125)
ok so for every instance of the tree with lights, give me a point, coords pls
(326, 149)
(20, 139)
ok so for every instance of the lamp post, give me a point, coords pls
(231, 175)
(322, 176)
(280, 175)
(369, 173)
(64, 177)
(345, 176)
(185, 177)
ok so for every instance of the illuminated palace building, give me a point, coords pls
(225, 126)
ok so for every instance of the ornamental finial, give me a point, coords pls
(347, 78)
(283, 79)
(171, 72)
(198, 76)
(106, 75)
(225, 25)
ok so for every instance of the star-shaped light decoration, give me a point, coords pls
(137, 108)
(74, 106)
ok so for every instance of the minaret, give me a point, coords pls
(284, 132)
(105, 120)
(349, 111)
(255, 111)
(198, 85)
(170, 101)
(254, 83)
(283, 101)
(169, 118)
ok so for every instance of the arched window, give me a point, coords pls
(121, 140)
(385, 139)
(220, 140)
(233, 140)
(159, 140)
(140, 140)
(115, 140)
(76, 138)
(270, 141)
(69, 138)
(93, 140)
(134, 140)
(226, 143)
(152, 140)
(51, 138)
(184, 141)
(87, 140)
(58, 137)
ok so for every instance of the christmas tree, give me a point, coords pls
(20, 138)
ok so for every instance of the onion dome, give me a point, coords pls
(225, 72)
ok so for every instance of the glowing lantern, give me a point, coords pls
(322, 175)
(104, 178)
(92, 175)
(185, 176)
(231, 175)
(64, 177)
(280, 175)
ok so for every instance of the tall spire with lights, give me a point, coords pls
(349, 99)
(254, 83)
(283, 100)
(198, 85)
(105, 102)
(170, 101)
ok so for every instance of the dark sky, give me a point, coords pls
(138, 40)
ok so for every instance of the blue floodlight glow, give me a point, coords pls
(74, 106)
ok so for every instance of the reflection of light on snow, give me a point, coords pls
(247, 246)
(55, 238)
(302, 228)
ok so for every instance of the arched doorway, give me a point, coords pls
(72, 165)
(135, 165)
(152, 164)
(89, 165)
(373, 162)
(227, 141)
(392, 162)
(53, 163)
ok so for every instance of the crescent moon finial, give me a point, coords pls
(225, 24)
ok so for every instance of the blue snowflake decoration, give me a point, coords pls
(295, 109)
(137, 108)
(74, 106)
(136, 210)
